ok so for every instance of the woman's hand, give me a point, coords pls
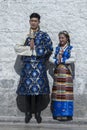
(59, 58)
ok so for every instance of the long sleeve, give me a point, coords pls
(72, 57)
(23, 50)
(68, 55)
(53, 59)
(48, 45)
(45, 48)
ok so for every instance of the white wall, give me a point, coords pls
(56, 15)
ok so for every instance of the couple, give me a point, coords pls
(36, 50)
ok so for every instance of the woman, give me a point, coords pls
(62, 91)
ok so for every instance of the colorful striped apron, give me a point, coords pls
(62, 93)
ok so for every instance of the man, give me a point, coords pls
(33, 81)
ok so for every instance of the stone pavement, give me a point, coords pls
(47, 124)
(42, 126)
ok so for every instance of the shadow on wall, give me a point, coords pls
(21, 100)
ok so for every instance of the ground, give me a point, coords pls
(42, 126)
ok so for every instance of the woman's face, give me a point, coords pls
(62, 39)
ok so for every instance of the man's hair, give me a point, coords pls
(35, 15)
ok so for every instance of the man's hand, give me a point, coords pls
(32, 44)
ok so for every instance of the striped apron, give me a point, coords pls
(62, 93)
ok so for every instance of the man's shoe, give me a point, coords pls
(38, 117)
(28, 118)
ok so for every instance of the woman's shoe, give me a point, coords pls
(66, 118)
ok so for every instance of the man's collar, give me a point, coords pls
(32, 33)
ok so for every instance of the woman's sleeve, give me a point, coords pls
(53, 59)
(72, 57)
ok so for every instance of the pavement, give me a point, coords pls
(42, 126)
(47, 124)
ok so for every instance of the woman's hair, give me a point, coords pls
(35, 15)
(66, 34)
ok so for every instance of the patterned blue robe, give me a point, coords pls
(33, 78)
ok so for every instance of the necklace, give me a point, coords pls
(32, 33)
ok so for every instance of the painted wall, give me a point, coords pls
(56, 15)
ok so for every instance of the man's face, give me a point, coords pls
(34, 23)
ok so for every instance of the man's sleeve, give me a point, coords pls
(48, 45)
(23, 50)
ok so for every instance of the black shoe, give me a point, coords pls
(28, 118)
(69, 118)
(38, 117)
(66, 118)
(55, 118)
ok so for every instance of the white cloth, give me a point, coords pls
(24, 50)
